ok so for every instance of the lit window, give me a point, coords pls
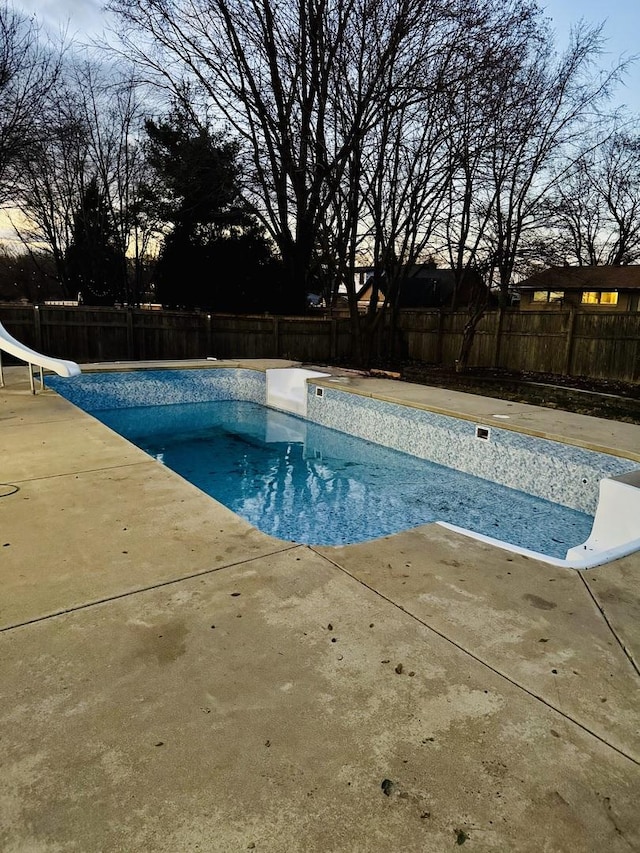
(595, 297)
(548, 295)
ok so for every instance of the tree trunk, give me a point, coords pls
(468, 335)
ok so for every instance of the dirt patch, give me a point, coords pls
(600, 398)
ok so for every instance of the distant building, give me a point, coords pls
(600, 287)
(427, 286)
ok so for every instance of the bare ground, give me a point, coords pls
(601, 398)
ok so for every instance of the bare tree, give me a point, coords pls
(112, 114)
(576, 216)
(93, 124)
(544, 107)
(498, 35)
(29, 68)
(395, 127)
(314, 90)
(384, 202)
(50, 184)
(303, 84)
(595, 211)
(548, 107)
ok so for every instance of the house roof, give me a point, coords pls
(426, 286)
(416, 291)
(584, 278)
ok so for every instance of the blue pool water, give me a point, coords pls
(306, 483)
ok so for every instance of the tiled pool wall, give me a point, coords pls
(95, 392)
(560, 473)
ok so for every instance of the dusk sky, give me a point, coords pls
(85, 19)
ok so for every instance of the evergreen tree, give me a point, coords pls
(214, 255)
(95, 265)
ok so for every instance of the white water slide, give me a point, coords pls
(44, 362)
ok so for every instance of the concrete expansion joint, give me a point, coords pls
(612, 630)
(132, 592)
(487, 665)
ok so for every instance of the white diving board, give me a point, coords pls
(22, 352)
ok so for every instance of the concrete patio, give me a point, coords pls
(172, 679)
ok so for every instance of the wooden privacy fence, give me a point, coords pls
(579, 343)
(569, 342)
(96, 334)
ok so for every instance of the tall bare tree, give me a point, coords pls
(112, 112)
(395, 127)
(92, 124)
(498, 35)
(543, 108)
(547, 107)
(383, 201)
(29, 68)
(313, 88)
(595, 211)
(49, 187)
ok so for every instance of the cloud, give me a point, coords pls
(78, 17)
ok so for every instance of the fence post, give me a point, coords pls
(439, 339)
(276, 337)
(498, 339)
(208, 341)
(37, 328)
(130, 341)
(334, 339)
(568, 350)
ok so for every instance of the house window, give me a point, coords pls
(548, 295)
(597, 297)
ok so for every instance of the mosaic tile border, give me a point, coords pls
(95, 392)
(557, 472)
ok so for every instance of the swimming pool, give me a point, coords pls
(355, 468)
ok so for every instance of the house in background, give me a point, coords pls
(426, 286)
(601, 288)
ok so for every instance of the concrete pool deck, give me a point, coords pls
(172, 679)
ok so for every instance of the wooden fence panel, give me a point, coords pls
(420, 335)
(582, 343)
(244, 337)
(91, 334)
(607, 346)
(314, 339)
(452, 331)
(534, 341)
(342, 339)
(19, 322)
(305, 339)
(484, 342)
(168, 335)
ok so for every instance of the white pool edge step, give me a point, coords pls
(615, 532)
(287, 388)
